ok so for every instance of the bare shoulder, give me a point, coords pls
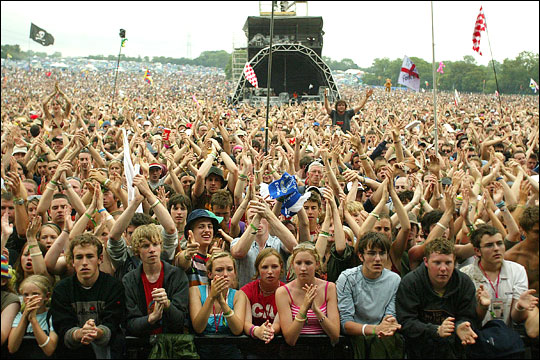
(514, 253)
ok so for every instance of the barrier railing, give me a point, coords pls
(307, 346)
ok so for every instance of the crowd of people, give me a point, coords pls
(163, 214)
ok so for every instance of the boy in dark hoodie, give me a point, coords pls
(436, 305)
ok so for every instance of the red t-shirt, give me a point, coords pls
(148, 287)
(262, 307)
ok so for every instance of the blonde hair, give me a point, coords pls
(42, 282)
(354, 207)
(218, 255)
(148, 232)
(348, 233)
(308, 247)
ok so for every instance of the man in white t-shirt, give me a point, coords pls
(501, 286)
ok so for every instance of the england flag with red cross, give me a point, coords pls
(409, 75)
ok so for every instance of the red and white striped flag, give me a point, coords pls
(250, 75)
(479, 26)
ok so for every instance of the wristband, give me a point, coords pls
(155, 204)
(375, 215)
(18, 201)
(30, 247)
(91, 219)
(45, 343)
(499, 178)
(229, 314)
(110, 217)
(67, 232)
(39, 253)
(252, 331)
(296, 318)
(363, 328)
(374, 329)
(102, 210)
(304, 316)
(106, 182)
(442, 226)
(254, 228)
(54, 183)
(500, 205)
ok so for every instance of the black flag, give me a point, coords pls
(41, 36)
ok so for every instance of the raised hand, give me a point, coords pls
(34, 227)
(527, 301)
(7, 228)
(482, 296)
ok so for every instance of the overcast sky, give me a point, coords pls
(361, 31)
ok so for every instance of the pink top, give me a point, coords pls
(312, 325)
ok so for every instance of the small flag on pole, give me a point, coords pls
(8, 55)
(479, 26)
(124, 42)
(409, 75)
(40, 36)
(457, 100)
(533, 85)
(195, 99)
(441, 66)
(250, 75)
(148, 77)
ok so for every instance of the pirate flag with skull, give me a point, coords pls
(41, 36)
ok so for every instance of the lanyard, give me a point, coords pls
(220, 314)
(219, 320)
(490, 283)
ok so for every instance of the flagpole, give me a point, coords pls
(116, 76)
(434, 83)
(269, 79)
(493, 65)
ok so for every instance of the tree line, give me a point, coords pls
(513, 75)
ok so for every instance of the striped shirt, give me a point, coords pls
(196, 273)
